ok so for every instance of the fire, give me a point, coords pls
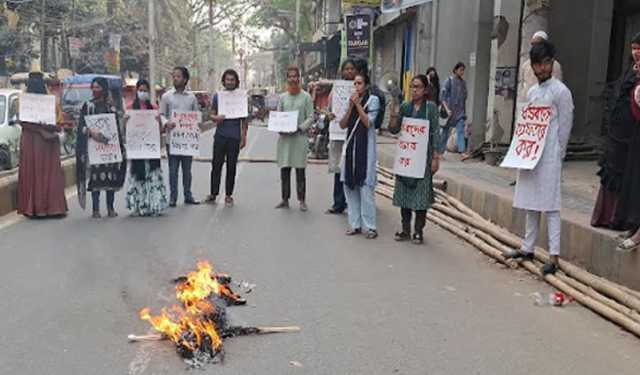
(189, 325)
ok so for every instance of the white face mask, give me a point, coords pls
(143, 95)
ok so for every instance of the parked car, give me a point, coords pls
(10, 130)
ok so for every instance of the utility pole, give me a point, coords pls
(43, 34)
(152, 50)
(299, 53)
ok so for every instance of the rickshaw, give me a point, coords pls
(257, 105)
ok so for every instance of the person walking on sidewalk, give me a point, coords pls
(539, 190)
(359, 169)
(230, 138)
(454, 97)
(416, 194)
(178, 99)
(293, 147)
(348, 70)
(147, 193)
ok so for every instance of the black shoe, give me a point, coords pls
(334, 211)
(549, 269)
(172, 204)
(192, 202)
(519, 255)
(402, 236)
(418, 239)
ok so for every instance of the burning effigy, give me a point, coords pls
(198, 324)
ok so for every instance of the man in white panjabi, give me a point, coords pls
(539, 190)
(527, 78)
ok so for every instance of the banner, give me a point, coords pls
(283, 122)
(396, 5)
(340, 94)
(411, 148)
(104, 153)
(143, 135)
(233, 104)
(37, 108)
(358, 28)
(529, 136)
(184, 139)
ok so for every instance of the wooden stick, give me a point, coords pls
(286, 329)
(150, 337)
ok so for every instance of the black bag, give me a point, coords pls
(375, 90)
(443, 113)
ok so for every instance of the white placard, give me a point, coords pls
(233, 104)
(143, 135)
(104, 153)
(411, 148)
(283, 122)
(37, 108)
(184, 139)
(340, 94)
(529, 136)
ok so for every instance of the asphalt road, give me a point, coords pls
(71, 290)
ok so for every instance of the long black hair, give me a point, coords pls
(35, 83)
(104, 85)
(434, 84)
(136, 101)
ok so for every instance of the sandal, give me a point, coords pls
(418, 239)
(628, 246)
(211, 199)
(402, 236)
(625, 235)
(353, 232)
(228, 201)
(372, 234)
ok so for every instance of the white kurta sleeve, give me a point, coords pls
(564, 103)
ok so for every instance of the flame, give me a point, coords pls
(189, 318)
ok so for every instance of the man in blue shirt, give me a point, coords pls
(230, 138)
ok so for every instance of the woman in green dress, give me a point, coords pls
(416, 194)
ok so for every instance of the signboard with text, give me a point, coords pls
(411, 148)
(529, 136)
(340, 94)
(233, 104)
(359, 34)
(143, 135)
(37, 108)
(283, 122)
(184, 139)
(104, 152)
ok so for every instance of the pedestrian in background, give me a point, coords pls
(40, 176)
(433, 85)
(230, 138)
(178, 99)
(540, 190)
(147, 193)
(416, 194)
(454, 97)
(293, 147)
(359, 169)
(103, 177)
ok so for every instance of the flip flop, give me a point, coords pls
(628, 246)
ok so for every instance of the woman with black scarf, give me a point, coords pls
(359, 169)
(147, 193)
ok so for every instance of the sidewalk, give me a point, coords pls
(487, 190)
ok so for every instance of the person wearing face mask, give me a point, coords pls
(147, 193)
(230, 138)
(103, 177)
(539, 190)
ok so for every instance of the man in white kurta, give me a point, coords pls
(539, 190)
(527, 77)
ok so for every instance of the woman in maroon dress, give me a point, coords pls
(40, 176)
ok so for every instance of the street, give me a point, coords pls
(71, 291)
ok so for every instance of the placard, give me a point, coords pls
(411, 148)
(283, 122)
(340, 94)
(37, 108)
(143, 135)
(529, 136)
(184, 139)
(104, 153)
(233, 104)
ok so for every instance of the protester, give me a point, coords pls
(359, 169)
(147, 194)
(416, 194)
(454, 97)
(617, 149)
(293, 147)
(628, 210)
(178, 99)
(40, 176)
(102, 177)
(539, 190)
(527, 77)
(230, 138)
(348, 70)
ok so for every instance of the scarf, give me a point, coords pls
(138, 169)
(355, 167)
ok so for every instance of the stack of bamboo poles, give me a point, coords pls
(615, 302)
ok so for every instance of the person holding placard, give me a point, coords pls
(178, 99)
(230, 138)
(147, 193)
(293, 147)
(102, 177)
(539, 190)
(359, 169)
(416, 194)
(40, 176)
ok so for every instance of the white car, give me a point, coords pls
(10, 130)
